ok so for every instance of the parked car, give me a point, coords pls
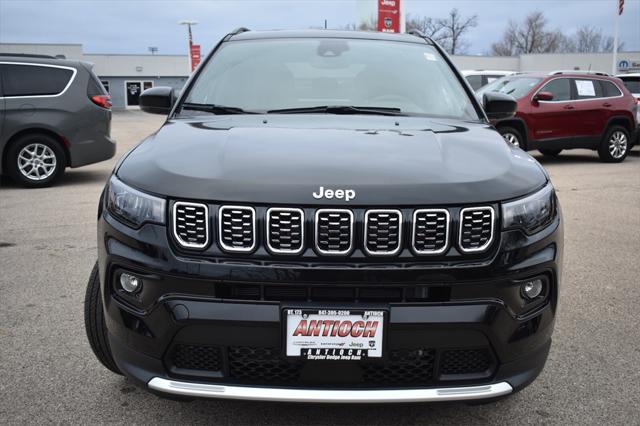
(566, 110)
(632, 82)
(479, 78)
(326, 216)
(54, 114)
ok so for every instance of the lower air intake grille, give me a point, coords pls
(237, 228)
(285, 230)
(191, 224)
(191, 357)
(465, 361)
(404, 367)
(334, 231)
(383, 232)
(261, 365)
(476, 228)
(430, 231)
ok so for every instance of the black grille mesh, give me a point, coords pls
(285, 230)
(465, 361)
(404, 367)
(334, 231)
(261, 365)
(191, 224)
(476, 228)
(383, 231)
(237, 231)
(194, 357)
(430, 230)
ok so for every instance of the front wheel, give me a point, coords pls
(513, 136)
(615, 145)
(94, 322)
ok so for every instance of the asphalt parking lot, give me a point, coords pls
(49, 374)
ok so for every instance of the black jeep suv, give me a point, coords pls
(326, 217)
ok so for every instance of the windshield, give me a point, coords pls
(632, 84)
(514, 86)
(277, 74)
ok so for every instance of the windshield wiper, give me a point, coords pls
(214, 109)
(338, 109)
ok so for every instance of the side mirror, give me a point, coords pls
(499, 106)
(157, 100)
(543, 96)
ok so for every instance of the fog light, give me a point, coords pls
(532, 288)
(130, 283)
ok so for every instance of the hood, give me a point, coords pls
(283, 159)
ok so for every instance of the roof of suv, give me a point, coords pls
(41, 59)
(365, 35)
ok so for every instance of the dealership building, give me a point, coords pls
(125, 76)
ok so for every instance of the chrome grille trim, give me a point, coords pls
(176, 219)
(462, 224)
(398, 213)
(317, 226)
(236, 249)
(446, 230)
(302, 226)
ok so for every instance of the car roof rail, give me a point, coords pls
(239, 30)
(28, 55)
(418, 33)
(558, 72)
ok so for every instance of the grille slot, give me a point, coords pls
(466, 361)
(191, 224)
(237, 228)
(334, 231)
(476, 229)
(195, 357)
(285, 230)
(430, 231)
(383, 232)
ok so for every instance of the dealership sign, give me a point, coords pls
(627, 65)
(389, 16)
(195, 56)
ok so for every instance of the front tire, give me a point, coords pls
(513, 136)
(615, 145)
(94, 322)
(35, 160)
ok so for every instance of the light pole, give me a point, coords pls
(189, 23)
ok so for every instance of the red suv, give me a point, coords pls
(565, 110)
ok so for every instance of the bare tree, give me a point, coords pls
(428, 26)
(369, 25)
(531, 36)
(454, 27)
(588, 39)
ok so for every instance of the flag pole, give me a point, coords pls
(614, 65)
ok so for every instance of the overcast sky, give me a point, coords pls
(131, 26)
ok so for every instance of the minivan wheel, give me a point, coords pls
(35, 160)
(615, 145)
(512, 136)
(94, 322)
(550, 152)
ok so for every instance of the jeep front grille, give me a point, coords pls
(383, 232)
(476, 228)
(285, 230)
(191, 224)
(334, 231)
(430, 231)
(237, 228)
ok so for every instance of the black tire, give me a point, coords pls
(606, 151)
(37, 140)
(550, 152)
(507, 131)
(94, 322)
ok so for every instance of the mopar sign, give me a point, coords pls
(627, 65)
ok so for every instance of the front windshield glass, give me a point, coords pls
(275, 74)
(514, 86)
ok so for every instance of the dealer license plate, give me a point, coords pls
(334, 334)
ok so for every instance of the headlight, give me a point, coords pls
(531, 213)
(132, 206)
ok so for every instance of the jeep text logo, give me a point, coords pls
(347, 194)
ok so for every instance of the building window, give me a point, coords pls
(105, 84)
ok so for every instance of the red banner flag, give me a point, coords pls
(195, 56)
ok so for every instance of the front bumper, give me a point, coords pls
(481, 312)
